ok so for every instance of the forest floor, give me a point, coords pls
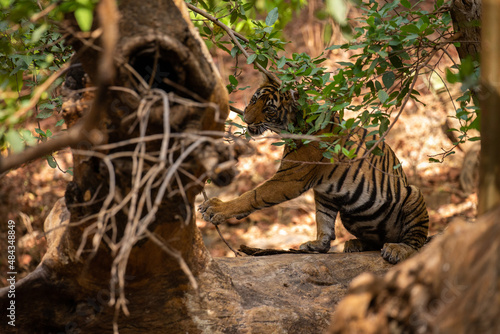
(28, 193)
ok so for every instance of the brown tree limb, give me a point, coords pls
(87, 130)
(71, 138)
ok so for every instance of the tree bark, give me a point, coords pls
(452, 287)
(489, 170)
(466, 17)
(288, 293)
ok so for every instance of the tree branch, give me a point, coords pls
(86, 130)
(40, 90)
(234, 37)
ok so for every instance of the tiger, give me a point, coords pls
(372, 195)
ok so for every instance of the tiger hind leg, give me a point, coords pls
(357, 245)
(416, 225)
(397, 252)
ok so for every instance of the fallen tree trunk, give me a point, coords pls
(451, 287)
(288, 293)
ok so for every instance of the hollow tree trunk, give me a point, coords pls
(161, 107)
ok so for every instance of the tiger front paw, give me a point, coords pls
(212, 211)
(315, 246)
(395, 253)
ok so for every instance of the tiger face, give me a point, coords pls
(268, 110)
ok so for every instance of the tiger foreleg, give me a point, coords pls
(274, 191)
(325, 225)
(217, 212)
(212, 211)
(415, 228)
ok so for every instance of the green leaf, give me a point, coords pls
(28, 137)
(280, 143)
(207, 30)
(384, 125)
(5, 3)
(411, 37)
(349, 123)
(378, 151)
(451, 77)
(234, 52)
(272, 17)
(44, 114)
(281, 62)
(15, 140)
(47, 106)
(35, 37)
(251, 58)
(410, 28)
(396, 61)
(50, 160)
(328, 155)
(234, 17)
(233, 80)
(340, 106)
(383, 96)
(60, 122)
(338, 10)
(406, 3)
(84, 17)
(388, 79)
(334, 47)
(40, 132)
(262, 60)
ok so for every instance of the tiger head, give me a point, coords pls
(269, 109)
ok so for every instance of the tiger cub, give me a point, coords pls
(374, 200)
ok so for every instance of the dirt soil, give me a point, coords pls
(28, 193)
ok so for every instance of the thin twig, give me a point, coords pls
(40, 90)
(234, 38)
(236, 110)
(236, 253)
(175, 254)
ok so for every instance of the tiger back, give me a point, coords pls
(372, 195)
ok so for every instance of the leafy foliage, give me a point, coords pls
(392, 46)
(31, 49)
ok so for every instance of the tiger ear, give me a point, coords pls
(269, 80)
